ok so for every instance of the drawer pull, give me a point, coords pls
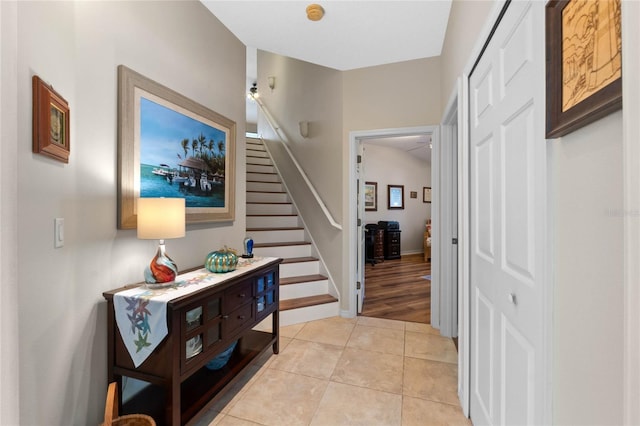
(241, 295)
(241, 317)
(225, 317)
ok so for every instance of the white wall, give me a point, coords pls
(9, 355)
(389, 166)
(76, 46)
(588, 290)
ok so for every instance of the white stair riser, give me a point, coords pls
(255, 151)
(272, 221)
(263, 177)
(267, 197)
(260, 168)
(284, 251)
(310, 313)
(266, 161)
(299, 268)
(277, 236)
(311, 288)
(258, 208)
(264, 186)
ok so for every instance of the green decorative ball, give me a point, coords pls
(223, 260)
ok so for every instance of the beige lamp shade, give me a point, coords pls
(161, 218)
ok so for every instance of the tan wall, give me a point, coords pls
(466, 19)
(77, 46)
(307, 92)
(404, 94)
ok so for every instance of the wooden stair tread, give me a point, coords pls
(283, 243)
(268, 202)
(280, 228)
(302, 279)
(263, 173)
(303, 302)
(265, 192)
(271, 215)
(298, 259)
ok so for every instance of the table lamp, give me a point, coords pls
(161, 219)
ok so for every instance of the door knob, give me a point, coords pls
(512, 298)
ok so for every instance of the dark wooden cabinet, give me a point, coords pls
(392, 244)
(180, 388)
(378, 245)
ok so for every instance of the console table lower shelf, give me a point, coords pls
(202, 389)
(179, 387)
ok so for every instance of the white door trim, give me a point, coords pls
(631, 176)
(350, 227)
(454, 113)
(447, 280)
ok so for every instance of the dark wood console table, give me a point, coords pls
(180, 386)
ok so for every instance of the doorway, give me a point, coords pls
(357, 287)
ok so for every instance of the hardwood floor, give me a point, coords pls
(395, 289)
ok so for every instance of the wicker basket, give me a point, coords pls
(111, 417)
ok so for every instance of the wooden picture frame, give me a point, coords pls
(50, 122)
(426, 194)
(395, 197)
(171, 146)
(413, 194)
(371, 196)
(584, 70)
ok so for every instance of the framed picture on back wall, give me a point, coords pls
(426, 194)
(370, 196)
(395, 195)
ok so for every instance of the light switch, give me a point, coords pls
(58, 237)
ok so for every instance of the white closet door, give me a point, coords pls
(508, 222)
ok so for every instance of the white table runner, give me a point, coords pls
(141, 312)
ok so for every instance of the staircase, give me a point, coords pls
(277, 231)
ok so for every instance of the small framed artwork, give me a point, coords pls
(50, 122)
(426, 194)
(371, 196)
(172, 146)
(584, 63)
(395, 195)
(413, 194)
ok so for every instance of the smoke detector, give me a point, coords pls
(315, 12)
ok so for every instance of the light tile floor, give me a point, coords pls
(338, 371)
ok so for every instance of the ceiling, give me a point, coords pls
(418, 146)
(352, 34)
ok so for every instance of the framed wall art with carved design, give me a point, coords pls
(584, 63)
